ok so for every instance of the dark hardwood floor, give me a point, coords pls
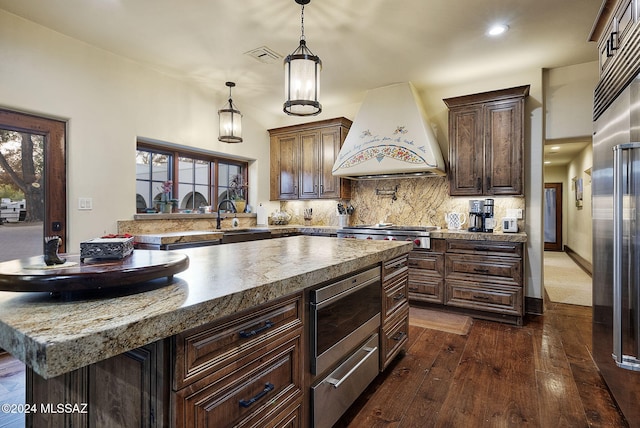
(538, 375)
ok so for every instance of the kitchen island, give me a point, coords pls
(62, 340)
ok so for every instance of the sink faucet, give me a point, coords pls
(224, 201)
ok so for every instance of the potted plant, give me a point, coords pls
(166, 203)
(237, 192)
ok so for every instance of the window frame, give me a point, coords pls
(213, 160)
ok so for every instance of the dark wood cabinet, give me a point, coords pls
(246, 371)
(486, 143)
(302, 158)
(617, 32)
(395, 309)
(127, 390)
(487, 277)
(426, 273)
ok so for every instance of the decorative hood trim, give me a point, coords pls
(390, 138)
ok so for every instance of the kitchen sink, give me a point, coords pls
(244, 235)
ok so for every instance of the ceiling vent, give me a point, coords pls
(265, 55)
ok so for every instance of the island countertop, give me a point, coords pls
(57, 335)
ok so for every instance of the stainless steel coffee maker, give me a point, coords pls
(476, 215)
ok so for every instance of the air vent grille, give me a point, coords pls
(265, 55)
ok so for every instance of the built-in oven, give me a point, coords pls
(344, 344)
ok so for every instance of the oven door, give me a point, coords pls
(343, 315)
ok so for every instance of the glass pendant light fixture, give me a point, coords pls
(302, 78)
(230, 121)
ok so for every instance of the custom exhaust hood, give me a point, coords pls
(390, 138)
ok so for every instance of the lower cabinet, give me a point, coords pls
(395, 309)
(246, 371)
(481, 278)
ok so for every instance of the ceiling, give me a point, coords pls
(563, 151)
(362, 44)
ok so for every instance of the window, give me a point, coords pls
(198, 179)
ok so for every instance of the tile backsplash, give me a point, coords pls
(418, 202)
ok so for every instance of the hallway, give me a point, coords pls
(565, 281)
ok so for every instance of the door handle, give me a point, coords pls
(623, 361)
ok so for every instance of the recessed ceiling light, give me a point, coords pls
(555, 147)
(497, 30)
(547, 162)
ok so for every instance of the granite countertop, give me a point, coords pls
(57, 335)
(178, 237)
(479, 236)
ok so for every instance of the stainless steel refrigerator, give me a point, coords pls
(616, 249)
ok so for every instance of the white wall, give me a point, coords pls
(108, 102)
(569, 100)
(579, 236)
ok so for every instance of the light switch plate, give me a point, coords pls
(85, 203)
(515, 212)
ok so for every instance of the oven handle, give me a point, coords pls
(337, 382)
(328, 301)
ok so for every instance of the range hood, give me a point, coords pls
(390, 138)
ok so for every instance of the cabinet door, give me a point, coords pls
(309, 152)
(329, 148)
(284, 166)
(466, 151)
(504, 147)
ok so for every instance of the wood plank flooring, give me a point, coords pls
(538, 375)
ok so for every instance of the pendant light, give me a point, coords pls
(230, 121)
(302, 78)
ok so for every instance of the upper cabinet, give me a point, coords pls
(302, 158)
(618, 35)
(486, 143)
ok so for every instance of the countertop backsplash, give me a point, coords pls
(418, 202)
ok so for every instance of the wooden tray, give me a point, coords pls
(31, 274)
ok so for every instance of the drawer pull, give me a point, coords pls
(368, 353)
(398, 296)
(399, 336)
(476, 297)
(480, 248)
(268, 387)
(267, 325)
(481, 270)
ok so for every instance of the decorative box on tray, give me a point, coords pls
(107, 247)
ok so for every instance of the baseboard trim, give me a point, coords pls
(580, 261)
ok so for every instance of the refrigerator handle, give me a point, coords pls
(622, 361)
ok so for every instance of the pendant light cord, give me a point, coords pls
(302, 23)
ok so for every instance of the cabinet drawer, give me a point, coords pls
(426, 288)
(504, 270)
(427, 261)
(395, 295)
(213, 347)
(505, 300)
(250, 396)
(394, 267)
(394, 336)
(489, 248)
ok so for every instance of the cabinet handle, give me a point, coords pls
(267, 325)
(399, 336)
(398, 296)
(476, 297)
(268, 387)
(611, 44)
(481, 270)
(479, 248)
(479, 183)
(322, 188)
